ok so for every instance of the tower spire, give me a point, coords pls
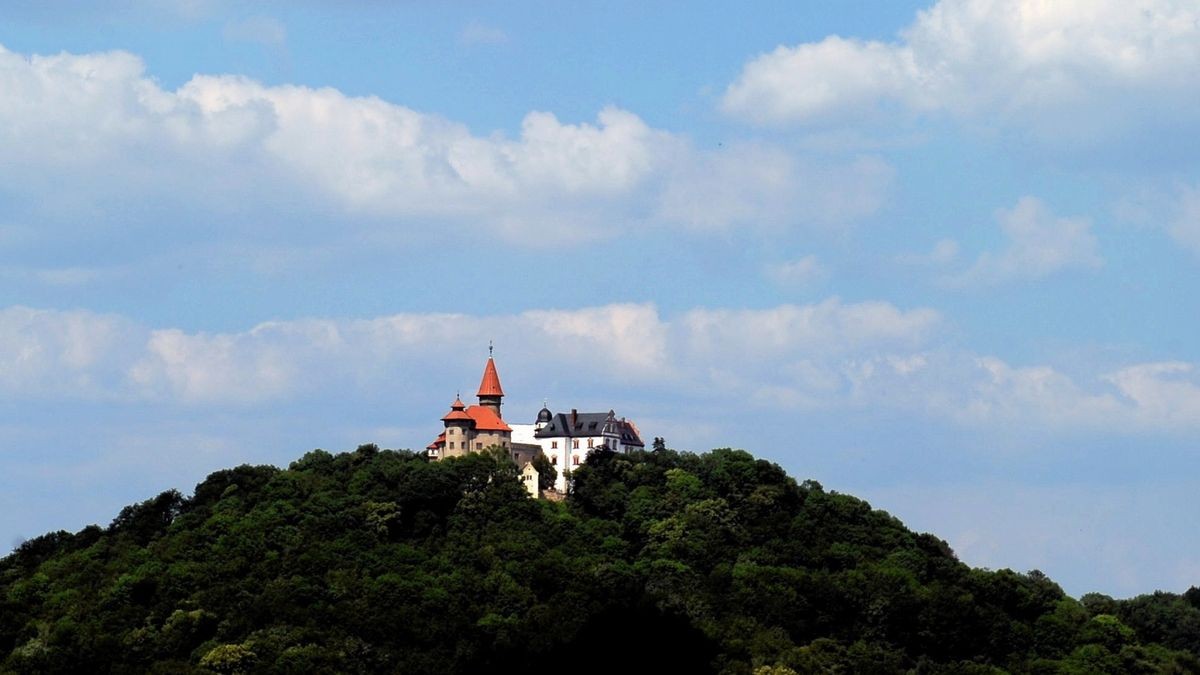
(490, 391)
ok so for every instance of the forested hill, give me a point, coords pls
(379, 561)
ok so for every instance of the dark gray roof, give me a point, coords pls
(589, 424)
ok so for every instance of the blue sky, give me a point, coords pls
(941, 256)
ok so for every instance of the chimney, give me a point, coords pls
(574, 417)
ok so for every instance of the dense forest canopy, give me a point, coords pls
(380, 561)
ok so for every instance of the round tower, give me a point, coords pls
(490, 392)
(458, 429)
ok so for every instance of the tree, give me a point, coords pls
(547, 474)
(228, 659)
(380, 561)
(659, 444)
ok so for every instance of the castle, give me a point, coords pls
(564, 439)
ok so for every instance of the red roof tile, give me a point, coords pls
(490, 385)
(486, 419)
(456, 411)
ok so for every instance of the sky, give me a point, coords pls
(942, 256)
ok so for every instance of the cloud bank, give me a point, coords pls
(1072, 70)
(823, 356)
(89, 135)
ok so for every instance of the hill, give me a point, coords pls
(379, 561)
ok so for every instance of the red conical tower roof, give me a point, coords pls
(490, 386)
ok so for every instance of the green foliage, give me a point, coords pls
(380, 561)
(547, 472)
(229, 659)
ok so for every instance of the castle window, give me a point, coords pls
(591, 443)
(479, 446)
(575, 444)
(575, 460)
(553, 445)
(451, 445)
(554, 459)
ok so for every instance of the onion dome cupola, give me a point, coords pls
(544, 415)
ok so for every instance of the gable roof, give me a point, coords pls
(590, 424)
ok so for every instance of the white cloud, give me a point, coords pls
(799, 272)
(818, 80)
(1039, 394)
(1072, 68)
(94, 132)
(986, 391)
(822, 356)
(230, 368)
(1165, 394)
(626, 339)
(280, 360)
(63, 353)
(827, 328)
(1039, 244)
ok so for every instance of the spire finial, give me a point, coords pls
(489, 349)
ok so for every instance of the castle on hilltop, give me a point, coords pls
(565, 439)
